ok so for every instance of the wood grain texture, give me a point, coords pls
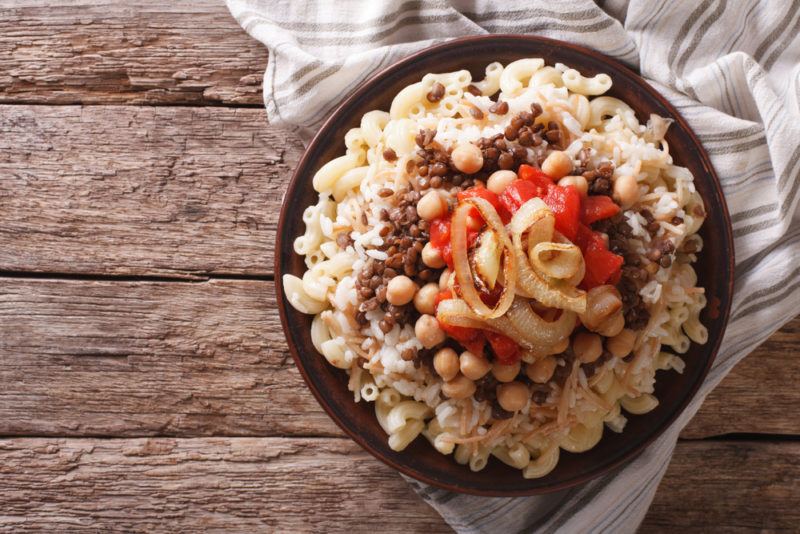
(758, 395)
(144, 52)
(330, 485)
(201, 485)
(128, 190)
(728, 487)
(83, 358)
(110, 358)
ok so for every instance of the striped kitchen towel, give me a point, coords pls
(732, 68)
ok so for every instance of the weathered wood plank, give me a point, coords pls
(140, 190)
(109, 358)
(758, 395)
(81, 358)
(326, 485)
(728, 487)
(145, 52)
(211, 484)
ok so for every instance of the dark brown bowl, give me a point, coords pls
(674, 391)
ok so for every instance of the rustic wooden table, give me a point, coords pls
(145, 384)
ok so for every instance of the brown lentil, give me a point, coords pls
(390, 155)
(499, 108)
(475, 112)
(408, 354)
(436, 93)
(474, 91)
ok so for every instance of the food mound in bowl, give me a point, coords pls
(498, 265)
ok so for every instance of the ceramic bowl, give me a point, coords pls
(674, 391)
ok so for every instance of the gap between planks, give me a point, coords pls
(183, 278)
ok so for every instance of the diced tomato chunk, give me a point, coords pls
(440, 232)
(479, 192)
(440, 238)
(565, 203)
(492, 198)
(505, 348)
(536, 176)
(471, 339)
(598, 207)
(602, 265)
(518, 193)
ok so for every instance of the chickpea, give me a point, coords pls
(467, 158)
(400, 290)
(505, 373)
(557, 164)
(612, 326)
(578, 182)
(499, 180)
(459, 387)
(626, 190)
(444, 279)
(473, 366)
(560, 347)
(431, 206)
(622, 344)
(587, 347)
(445, 363)
(541, 371)
(432, 257)
(425, 299)
(428, 331)
(513, 396)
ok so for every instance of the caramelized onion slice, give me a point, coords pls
(529, 213)
(464, 276)
(556, 260)
(535, 329)
(551, 294)
(535, 217)
(456, 312)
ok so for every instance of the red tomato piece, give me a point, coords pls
(440, 232)
(585, 236)
(505, 348)
(532, 174)
(602, 265)
(565, 203)
(518, 193)
(479, 192)
(440, 238)
(471, 339)
(598, 207)
(492, 198)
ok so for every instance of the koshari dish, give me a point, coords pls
(498, 265)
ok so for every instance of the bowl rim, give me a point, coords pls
(295, 183)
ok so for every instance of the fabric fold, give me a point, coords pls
(732, 69)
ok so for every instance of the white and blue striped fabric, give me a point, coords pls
(731, 67)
